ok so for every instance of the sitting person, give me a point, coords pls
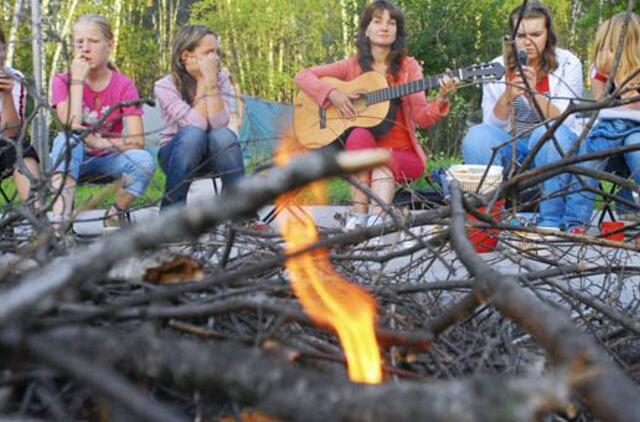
(13, 101)
(195, 102)
(616, 126)
(555, 75)
(381, 48)
(80, 97)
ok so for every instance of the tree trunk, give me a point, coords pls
(40, 130)
(116, 26)
(65, 30)
(13, 32)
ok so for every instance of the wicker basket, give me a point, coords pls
(469, 176)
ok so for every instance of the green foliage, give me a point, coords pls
(267, 42)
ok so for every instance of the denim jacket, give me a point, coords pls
(614, 129)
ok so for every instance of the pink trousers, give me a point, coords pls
(405, 164)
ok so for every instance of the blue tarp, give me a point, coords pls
(262, 123)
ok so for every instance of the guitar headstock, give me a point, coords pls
(482, 72)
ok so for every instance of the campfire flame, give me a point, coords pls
(328, 298)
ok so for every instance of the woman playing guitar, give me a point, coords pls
(381, 48)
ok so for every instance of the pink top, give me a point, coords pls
(417, 111)
(177, 113)
(95, 103)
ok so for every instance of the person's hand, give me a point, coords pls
(95, 142)
(79, 69)
(209, 67)
(342, 101)
(517, 86)
(6, 81)
(193, 67)
(448, 86)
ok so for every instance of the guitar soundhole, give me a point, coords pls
(360, 104)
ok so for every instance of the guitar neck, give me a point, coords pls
(397, 91)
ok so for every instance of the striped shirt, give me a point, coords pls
(525, 115)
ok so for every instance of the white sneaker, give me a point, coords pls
(355, 221)
(384, 239)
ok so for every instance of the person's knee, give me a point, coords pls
(224, 138)
(67, 155)
(555, 147)
(476, 144)
(190, 139)
(360, 138)
(137, 171)
(64, 145)
(140, 164)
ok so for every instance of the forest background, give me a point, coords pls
(267, 41)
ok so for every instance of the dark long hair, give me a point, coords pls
(534, 9)
(187, 40)
(398, 49)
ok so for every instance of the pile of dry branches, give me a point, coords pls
(511, 335)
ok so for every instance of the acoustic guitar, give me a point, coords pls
(316, 126)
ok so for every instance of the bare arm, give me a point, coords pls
(208, 100)
(10, 120)
(597, 89)
(134, 139)
(70, 111)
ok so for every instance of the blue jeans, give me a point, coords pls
(193, 152)
(478, 145)
(606, 134)
(135, 166)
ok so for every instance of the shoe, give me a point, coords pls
(59, 224)
(383, 240)
(355, 221)
(258, 225)
(115, 218)
(577, 230)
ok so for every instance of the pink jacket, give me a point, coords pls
(417, 110)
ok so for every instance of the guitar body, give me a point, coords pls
(315, 127)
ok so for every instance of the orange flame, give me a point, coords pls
(326, 296)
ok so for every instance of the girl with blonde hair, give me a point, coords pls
(81, 96)
(617, 126)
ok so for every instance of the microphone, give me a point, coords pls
(522, 57)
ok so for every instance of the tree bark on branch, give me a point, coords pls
(607, 392)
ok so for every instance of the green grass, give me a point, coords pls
(87, 193)
(338, 190)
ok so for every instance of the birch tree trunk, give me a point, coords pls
(116, 25)
(65, 31)
(40, 130)
(346, 22)
(234, 44)
(13, 32)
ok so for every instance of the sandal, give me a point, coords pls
(116, 220)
